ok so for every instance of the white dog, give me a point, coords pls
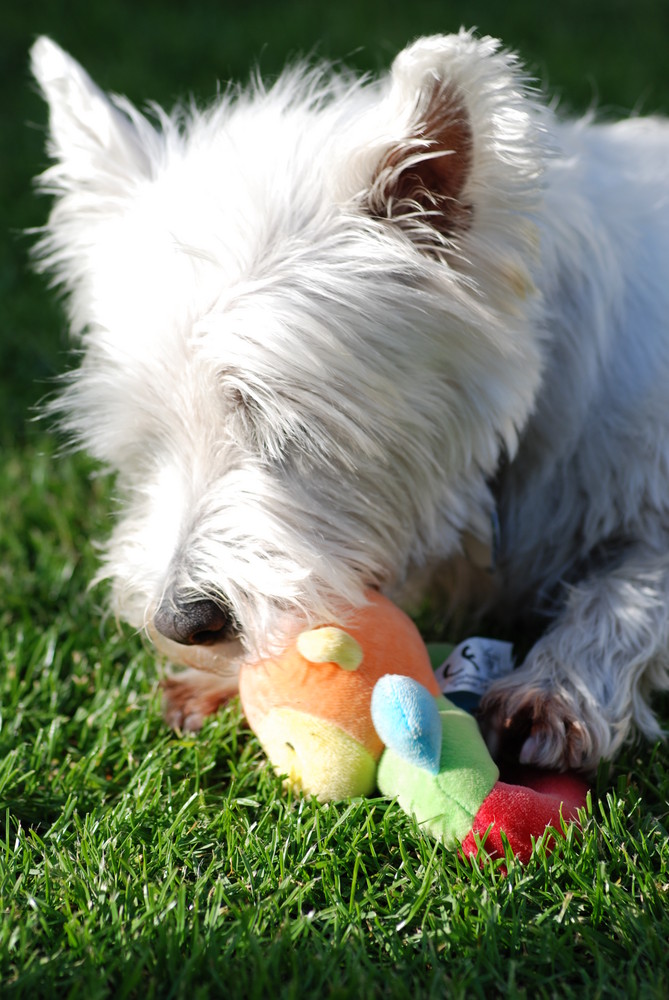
(333, 329)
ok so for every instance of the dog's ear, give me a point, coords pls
(96, 142)
(422, 178)
(456, 136)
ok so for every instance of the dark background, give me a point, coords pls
(608, 54)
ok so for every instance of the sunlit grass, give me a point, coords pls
(138, 862)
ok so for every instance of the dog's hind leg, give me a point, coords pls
(585, 686)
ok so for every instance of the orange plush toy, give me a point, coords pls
(311, 707)
(346, 709)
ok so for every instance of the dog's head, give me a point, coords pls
(305, 318)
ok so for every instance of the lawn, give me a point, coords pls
(135, 862)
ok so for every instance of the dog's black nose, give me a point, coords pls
(193, 623)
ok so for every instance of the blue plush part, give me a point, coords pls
(406, 717)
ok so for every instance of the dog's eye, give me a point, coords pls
(261, 421)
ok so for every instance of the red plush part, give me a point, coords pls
(522, 812)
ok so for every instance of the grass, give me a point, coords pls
(135, 862)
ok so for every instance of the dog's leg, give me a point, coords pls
(191, 695)
(584, 686)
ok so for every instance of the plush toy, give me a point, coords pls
(450, 783)
(346, 709)
(311, 707)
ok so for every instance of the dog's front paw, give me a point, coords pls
(536, 726)
(190, 696)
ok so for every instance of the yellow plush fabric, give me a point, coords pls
(316, 756)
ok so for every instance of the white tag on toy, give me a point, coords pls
(474, 665)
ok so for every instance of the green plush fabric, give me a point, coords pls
(445, 804)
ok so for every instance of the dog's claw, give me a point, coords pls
(191, 696)
(535, 727)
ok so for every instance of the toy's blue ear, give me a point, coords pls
(406, 717)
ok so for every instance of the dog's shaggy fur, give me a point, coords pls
(330, 327)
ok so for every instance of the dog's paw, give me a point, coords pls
(536, 726)
(190, 696)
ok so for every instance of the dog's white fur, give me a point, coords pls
(327, 328)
